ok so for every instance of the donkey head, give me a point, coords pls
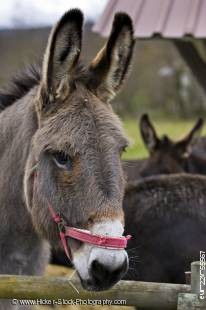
(78, 144)
(166, 156)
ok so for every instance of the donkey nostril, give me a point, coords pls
(105, 275)
(99, 271)
(91, 220)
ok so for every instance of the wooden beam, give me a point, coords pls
(193, 59)
(140, 294)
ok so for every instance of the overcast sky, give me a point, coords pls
(34, 13)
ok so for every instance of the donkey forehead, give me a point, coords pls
(82, 122)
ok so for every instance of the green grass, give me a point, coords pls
(175, 129)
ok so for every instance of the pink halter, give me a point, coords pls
(85, 236)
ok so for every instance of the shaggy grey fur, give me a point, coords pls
(61, 110)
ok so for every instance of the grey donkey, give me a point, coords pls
(61, 141)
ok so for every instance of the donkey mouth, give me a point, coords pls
(101, 279)
(93, 285)
(100, 267)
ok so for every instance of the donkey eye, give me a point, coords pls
(62, 160)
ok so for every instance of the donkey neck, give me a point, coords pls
(18, 124)
(18, 121)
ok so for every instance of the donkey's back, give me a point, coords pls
(166, 216)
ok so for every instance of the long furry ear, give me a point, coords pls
(62, 52)
(109, 68)
(184, 146)
(148, 133)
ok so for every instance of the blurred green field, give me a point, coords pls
(175, 129)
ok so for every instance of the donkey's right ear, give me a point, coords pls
(184, 146)
(62, 52)
(148, 133)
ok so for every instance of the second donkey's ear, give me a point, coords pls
(109, 69)
(148, 133)
(184, 146)
(62, 52)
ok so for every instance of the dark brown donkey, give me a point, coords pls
(61, 143)
(165, 155)
(166, 215)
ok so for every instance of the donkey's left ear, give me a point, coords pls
(148, 133)
(62, 52)
(109, 68)
(184, 145)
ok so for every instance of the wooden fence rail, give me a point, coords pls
(145, 295)
(141, 294)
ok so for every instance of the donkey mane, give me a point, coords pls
(24, 80)
(20, 85)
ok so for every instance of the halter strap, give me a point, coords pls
(85, 236)
(98, 240)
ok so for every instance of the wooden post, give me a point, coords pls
(195, 278)
(188, 277)
(196, 299)
(193, 59)
(198, 279)
(141, 294)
